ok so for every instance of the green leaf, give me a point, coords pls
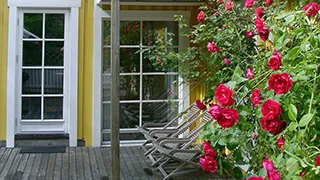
(294, 52)
(292, 126)
(304, 121)
(296, 178)
(231, 84)
(237, 76)
(292, 112)
(223, 141)
(289, 19)
(292, 165)
(263, 173)
(279, 42)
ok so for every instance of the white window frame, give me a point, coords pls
(13, 54)
(99, 16)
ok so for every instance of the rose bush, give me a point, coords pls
(260, 65)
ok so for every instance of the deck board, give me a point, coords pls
(82, 163)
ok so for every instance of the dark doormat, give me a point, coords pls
(54, 149)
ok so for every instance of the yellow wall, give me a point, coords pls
(3, 66)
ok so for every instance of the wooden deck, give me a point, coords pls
(81, 163)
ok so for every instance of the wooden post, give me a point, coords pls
(115, 66)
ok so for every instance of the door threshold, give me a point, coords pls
(63, 136)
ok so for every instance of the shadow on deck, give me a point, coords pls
(82, 163)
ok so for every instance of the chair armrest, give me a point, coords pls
(162, 131)
(191, 151)
(154, 125)
(174, 140)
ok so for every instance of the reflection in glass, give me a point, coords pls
(54, 53)
(53, 108)
(153, 29)
(106, 60)
(106, 32)
(32, 53)
(129, 87)
(53, 81)
(32, 26)
(129, 60)
(31, 81)
(31, 108)
(160, 87)
(106, 116)
(129, 32)
(54, 26)
(152, 65)
(106, 87)
(159, 112)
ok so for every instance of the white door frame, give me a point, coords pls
(13, 55)
(99, 15)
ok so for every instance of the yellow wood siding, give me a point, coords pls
(3, 66)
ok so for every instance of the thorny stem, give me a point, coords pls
(297, 158)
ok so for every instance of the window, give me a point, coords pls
(146, 94)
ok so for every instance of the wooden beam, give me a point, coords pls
(115, 66)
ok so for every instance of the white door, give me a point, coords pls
(42, 72)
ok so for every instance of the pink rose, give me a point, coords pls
(254, 135)
(264, 34)
(255, 97)
(214, 111)
(224, 27)
(212, 47)
(271, 109)
(249, 3)
(268, 165)
(317, 159)
(224, 95)
(259, 24)
(249, 34)
(275, 61)
(249, 73)
(274, 176)
(226, 61)
(311, 9)
(268, 2)
(159, 60)
(229, 5)
(200, 105)
(209, 164)
(217, 13)
(255, 178)
(280, 143)
(228, 117)
(200, 16)
(280, 83)
(259, 12)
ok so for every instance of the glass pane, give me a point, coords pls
(159, 112)
(106, 87)
(129, 87)
(106, 116)
(31, 81)
(54, 26)
(106, 32)
(32, 26)
(129, 32)
(106, 60)
(32, 53)
(153, 65)
(53, 108)
(31, 108)
(129, 60)
(129, 115)
(160, 87)
(53, 81)
(124, 136)
(153, 29)
(54, 53)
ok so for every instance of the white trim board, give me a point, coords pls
(45, 3)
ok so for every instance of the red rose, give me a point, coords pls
(206, 145)
(226, 61)
(220, 1)
(255, 97)
(274, 176)
(228, 117)
(275, 61)
(224, 95)
(273, 126)
(280, 83)
(271, 109)
(249, 34)
(209, 164)
(264, 34)
(259, 12)
(269, 2)
(259, 24)
(249, 73)
(208, 151)
(229, 5)
(200, 16)
(200, 105)
(214, 111)
(280, 143)
(317, 161)
(311, 9)
(255, 178)
(268, 165)
(249, 3)
(302, 174)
